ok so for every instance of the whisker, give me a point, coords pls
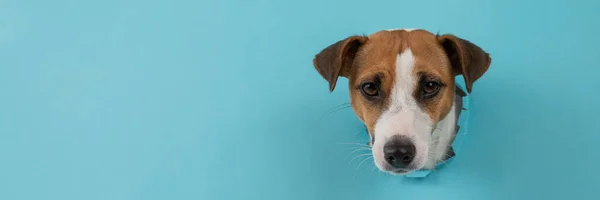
(356, 170)
(359, 144)
(362, 148)
(373, 167)
(338, 106)
(331, 111)
(443, 161)
(354, 152)
(363, 162)
(361, 155)
(438, 161)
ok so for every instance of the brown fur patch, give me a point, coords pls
(432, 63)
(375, 61)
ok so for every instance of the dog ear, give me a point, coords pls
(466, 58)
(337, 59)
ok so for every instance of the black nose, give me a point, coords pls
(399, 151)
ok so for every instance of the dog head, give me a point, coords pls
(401, 85)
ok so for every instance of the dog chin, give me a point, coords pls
(390, 170)
(403, 171)
(399, 172)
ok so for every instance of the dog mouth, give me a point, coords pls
(398, 171)
(402, 170)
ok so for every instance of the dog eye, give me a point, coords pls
(430, 88)
(369, 89)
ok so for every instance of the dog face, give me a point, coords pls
(401, 85)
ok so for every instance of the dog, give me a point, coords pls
(402, 87)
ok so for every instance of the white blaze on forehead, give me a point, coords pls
(396, 119)
(403, 115)
(401, 95)
(402, 29)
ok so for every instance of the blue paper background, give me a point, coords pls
(211, 99)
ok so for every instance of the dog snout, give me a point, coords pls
(399, 151)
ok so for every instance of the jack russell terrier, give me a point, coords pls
(402, 87)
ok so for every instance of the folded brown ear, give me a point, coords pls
(337, 59)
(466, 58)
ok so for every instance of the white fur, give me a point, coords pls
(442, 137)
(405, 117)
(402, 29)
